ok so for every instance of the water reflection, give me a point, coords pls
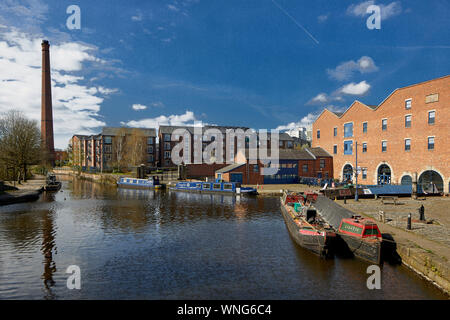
(162, 244)
(47, 248)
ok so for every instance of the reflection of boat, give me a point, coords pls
(52, 184)
(362, 237)
(214, 187)
(305, 225)
(150, 183)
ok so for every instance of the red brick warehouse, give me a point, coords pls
(407, 135)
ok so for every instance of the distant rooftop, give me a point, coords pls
(113, 131)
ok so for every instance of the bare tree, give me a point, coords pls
(136, 147)
(120, 141)
(20, 142)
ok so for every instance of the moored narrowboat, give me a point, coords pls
(150, 183)
(52, 184)
(362, 237)
(305, 226)
(214, 187)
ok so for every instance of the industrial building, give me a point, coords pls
(405, 137)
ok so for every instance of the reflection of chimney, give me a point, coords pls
(46, 106)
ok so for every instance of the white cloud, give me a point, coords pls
(346, 69)
(172, 7)
(323, 98)
(137, 17)
(306, 122)
(186, 119)
(75, 106)
(319, 99)
(322, 18)
(157, 104)
(26, 14)
(138, 107)
(356, 89)
(309, 119)
(387, 11)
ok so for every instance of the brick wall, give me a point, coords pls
(401, 162)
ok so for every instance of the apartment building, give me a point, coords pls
(406, 136)
(197, 137)
(115, 146)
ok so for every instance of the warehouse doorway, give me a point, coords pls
(384, 174)
(430, 182)
(347, 173)
(406, 180)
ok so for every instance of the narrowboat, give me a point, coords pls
(214, 187)
(150, 183)
(52, 184)
(362, 237)
(305, 226)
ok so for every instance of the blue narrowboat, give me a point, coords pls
(150, 183)
(214, 187)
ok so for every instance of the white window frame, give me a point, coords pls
(410, 105)
(362, 146)
(382, 124)
(404, 144)
(428, 142)
(428, 117)
(410, 122)
(353, 129)
(382, 145)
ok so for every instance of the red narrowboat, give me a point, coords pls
(362, 237)
(305, 225)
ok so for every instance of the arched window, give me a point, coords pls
(347, 173)
(406, 180)
(430, 182)
(384, 174)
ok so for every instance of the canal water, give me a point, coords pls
(132, 244)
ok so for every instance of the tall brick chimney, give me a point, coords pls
(46, 107)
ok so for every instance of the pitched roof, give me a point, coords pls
(285, 137)
(375, 107)
(113, 131)
(229, 168)
(319, 152)
(285, 154)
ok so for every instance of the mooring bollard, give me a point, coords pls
(381, 216)
(409, 222)
(422, 213)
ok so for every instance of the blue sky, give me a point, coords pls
(246, 63)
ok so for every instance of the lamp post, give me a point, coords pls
(356, 172)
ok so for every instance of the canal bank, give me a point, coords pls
(417, 252)
(102, 178)
(27, 191)
(425, 248)
(135, 244)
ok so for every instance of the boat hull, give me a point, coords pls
(130, 186)
(367, 250)
(249, 193)
(53, 187)
(318, 244)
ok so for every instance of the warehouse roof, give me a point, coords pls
(229, 168)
